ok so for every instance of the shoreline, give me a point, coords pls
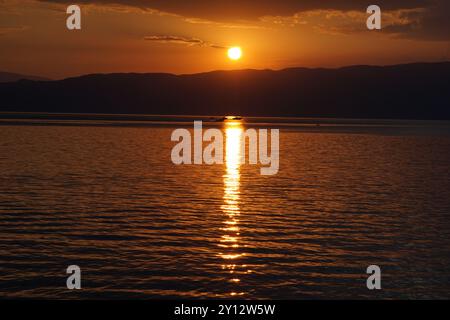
(307, 125)
(215, 119)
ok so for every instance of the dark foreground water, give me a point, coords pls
(109, 199)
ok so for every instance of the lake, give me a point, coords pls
(104, 195)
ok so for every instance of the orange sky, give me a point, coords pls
(172, 36)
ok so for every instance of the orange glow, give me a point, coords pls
(235, 53)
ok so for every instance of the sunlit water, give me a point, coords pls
(109, 200)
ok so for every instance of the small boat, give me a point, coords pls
(233, 118)
(223, 119)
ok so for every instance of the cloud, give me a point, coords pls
(429, 24)
(427, 19)
(183, 40)
(346, 22)
(234, 10)
(222, 24)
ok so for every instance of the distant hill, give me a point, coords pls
(410, 91)
(11, 77)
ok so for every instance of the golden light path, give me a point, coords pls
(231, 179)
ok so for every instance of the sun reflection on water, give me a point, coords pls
(230, 240)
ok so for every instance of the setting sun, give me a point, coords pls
(235, 53)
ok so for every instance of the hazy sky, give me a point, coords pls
(192, 36)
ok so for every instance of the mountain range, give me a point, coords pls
(11, 77)
(408, 91)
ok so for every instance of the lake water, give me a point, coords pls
(108, 198)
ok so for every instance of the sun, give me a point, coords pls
(234, 53)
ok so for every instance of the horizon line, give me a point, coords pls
(223, 70)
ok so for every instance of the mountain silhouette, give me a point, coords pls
(11, 77)
(409, 91)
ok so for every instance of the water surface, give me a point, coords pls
(108, 199)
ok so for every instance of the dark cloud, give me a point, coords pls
(431, 23)
(182, 40)
(252, 9)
